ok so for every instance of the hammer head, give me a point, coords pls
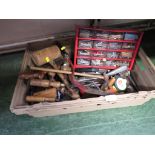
(46, 55)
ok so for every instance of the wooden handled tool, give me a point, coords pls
(73, 94)
(52, 55)
(46, 83)
(46, 55)
(113, 72)
(49, 93)
(39, 99)
(111, 82)
(31, 75)
(67, 72)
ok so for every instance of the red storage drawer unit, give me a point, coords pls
(105, 49)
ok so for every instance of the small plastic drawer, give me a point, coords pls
(112, 54)
(85, 44)
(128, 46)
(86, 34)
(116, 36)
(116, 63)
(114, 45)
(101, 35)
(126, 55)
(98, 62)
(130, 36)
(84, 52)
(81, 61)
(100, 45)
(99, 54)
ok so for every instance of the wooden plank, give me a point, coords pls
(133, 100)
(139, 78)
(149, 81)
(146, 61)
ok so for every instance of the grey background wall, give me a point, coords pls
(14, 33)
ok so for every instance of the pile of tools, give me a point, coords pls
(52, 78)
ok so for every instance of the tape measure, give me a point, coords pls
(121, 84)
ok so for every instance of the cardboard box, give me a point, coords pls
(144, 79)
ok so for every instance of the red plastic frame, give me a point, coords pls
(131, 61)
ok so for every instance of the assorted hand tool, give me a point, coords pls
(52, 77)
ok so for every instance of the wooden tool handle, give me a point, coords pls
(56, 84)
(111, 82)
(64, 80)
(46, 83)
(39, 99)
(39, 83)
(67, 72)
(49, 93)
(31, 75)
(73, 94)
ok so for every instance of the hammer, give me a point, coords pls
(51, 55)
